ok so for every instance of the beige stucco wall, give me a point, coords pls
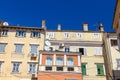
(90, 58)
(24, 58)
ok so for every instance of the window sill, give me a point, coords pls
(100, 75)
(2, 52)
(4, 35)
(20, 36)
(15, 73)
(35, 37)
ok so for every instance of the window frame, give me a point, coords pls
(95, 35)
(35, 34)
(21, 49)
(84, 64)
(20, 33)
(32, 69)
(103, 71)
(61, 63)
(79, 35)
(3, 47)
(4, 32)
(49, 63)
(66, 35)
(32, 51)
(15, 69)
(118, 62)
(72, 62)
(51, 35)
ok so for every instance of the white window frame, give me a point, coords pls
(35, 34)
(118, 62)
(58, 61)
(50, 64)
(98, 51)
(3, 47)
(31, 45)
(16, 67)
(20, 33)
(33, 69)
(4, 32)
(66, 34)
(72, 64)
(96, 35)
(79, 35)
(51, 35)
(19, 48)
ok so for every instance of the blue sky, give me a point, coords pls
(69, 13)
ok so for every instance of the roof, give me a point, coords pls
(22, 27)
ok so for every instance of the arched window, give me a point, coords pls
(59, 61)
(48, 61)
(70, 62)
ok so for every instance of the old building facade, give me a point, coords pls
(19, 49)
(65, 42)
(112, 56)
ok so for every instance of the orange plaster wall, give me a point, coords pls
(59, 76)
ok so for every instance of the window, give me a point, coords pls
(59, 68)
(35, 34)
(0, 66)
(16, 67)
(79, 35)
(18, 48)
(82, 51)
(98, 51)
(32, 67)
(70, 69)
(51, 48)
(33, 49)
(66, 35)
(100, 70)
(113, 42)
(51, 34)
(67, 50)
(83, 69)
(48, 68)
(118, 62)
(96, 35)
(59, 61)
(2, 47)
(20, 33)
(4, 32)
(49, 61)
(70, 62)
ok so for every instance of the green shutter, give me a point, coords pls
(100, 70)
(83, 69)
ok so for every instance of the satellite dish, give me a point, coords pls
(47, 43)
(46, 48)
(5, 24)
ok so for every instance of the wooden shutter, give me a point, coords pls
(83, 69)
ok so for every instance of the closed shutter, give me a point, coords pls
(18, 48)
(83, 69)
(33, 49)
(2, 47)
(100, 70)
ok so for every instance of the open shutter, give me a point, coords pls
(84, 69)
(85, 51)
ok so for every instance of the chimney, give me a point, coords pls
(101, 27)
(59, 27)
(1, 23)
(43, 24)
(85, 27)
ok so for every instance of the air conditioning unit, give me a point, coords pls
(34, 75)
(33, 54)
